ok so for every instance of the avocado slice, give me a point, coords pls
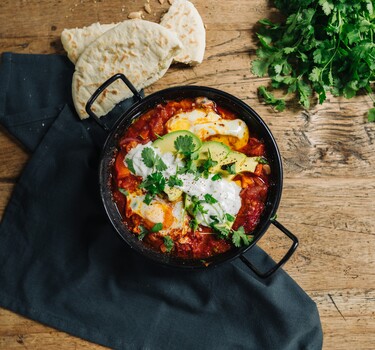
(173, 193)
(166, 142)
(249, 164)
(217, 150)
(233, 157)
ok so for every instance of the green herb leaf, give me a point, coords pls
(143, 232)
(229, 217)
(154, 183)
(148, 157)
(321, 46)
(230, 168)
(261, 160)
(216, 177)
(193, 223)
(174, 181)
(184, 145)
(239, 237)
(222, 230)
(209, 199)
(168, 243)
(151, 160)
(129, 163)
(157, 227)
(371, 115)
(123, 191)
(270, 99)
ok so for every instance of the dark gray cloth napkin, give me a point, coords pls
(62, 264)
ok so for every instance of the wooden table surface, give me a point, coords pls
(328, 154)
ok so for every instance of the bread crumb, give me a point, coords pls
(170, 2)
(148, 8)
(161, 2)
(135, 15)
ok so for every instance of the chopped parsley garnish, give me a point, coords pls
(157, 227)
(168, 243)
(152, 160)
(129, 163)
(184, 145)
(174, 181)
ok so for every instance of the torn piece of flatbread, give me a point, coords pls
(140, 49)
(75, 40)
(184, 19)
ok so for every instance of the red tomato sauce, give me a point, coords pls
(202, 243)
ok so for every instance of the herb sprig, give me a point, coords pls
(322, 46)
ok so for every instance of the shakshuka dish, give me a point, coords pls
(190, 179)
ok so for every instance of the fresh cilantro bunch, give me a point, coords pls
(321, 46)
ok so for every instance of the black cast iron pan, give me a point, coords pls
(255, 124)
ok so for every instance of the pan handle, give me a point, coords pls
(101, 88)
(282, 261)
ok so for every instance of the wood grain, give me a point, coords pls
(328, 157)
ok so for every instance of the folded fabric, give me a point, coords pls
(62, 264)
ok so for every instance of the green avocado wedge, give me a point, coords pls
(217, 150)
(166, 143)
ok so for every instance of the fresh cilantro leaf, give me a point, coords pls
(230, 168)
(148, 198)
(261, 160)
(184, 144)
(154, 183)
(209, 199)
(371, 115)
(239, 237)
(148, 157)
(206, 165)
(229, 217)
(168, 243)
(222, 230)
(270, 99)
(174, 181)
(143, 232)
(151, 160)
(214, 219)
(123, 191)
(216, 177)
(129, 163)
(320, 46)
(193, 223)
(159, 164)
(157, 227)
(196, 207)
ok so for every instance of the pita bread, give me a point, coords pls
(140, 49)
(184, 19)
(75, 40)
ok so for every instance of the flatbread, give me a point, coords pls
(184, 19)
(75, 40)
(140, 49)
